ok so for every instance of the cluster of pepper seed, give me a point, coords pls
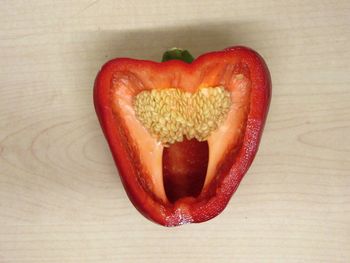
(171, 114)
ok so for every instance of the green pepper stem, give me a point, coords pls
(179, 54)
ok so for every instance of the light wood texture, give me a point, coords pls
(61, 199)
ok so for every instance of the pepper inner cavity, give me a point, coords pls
(171, 115)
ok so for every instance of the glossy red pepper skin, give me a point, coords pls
(193, 211)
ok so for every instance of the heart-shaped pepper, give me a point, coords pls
(183, 133)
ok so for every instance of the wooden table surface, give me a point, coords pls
(61, 199)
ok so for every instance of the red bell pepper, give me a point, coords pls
(173, 171)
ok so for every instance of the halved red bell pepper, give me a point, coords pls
(182, 173)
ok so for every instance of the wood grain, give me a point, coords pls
(60, 197)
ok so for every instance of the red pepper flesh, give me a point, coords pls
(187, 195)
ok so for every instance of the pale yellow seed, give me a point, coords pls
(239, 76)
